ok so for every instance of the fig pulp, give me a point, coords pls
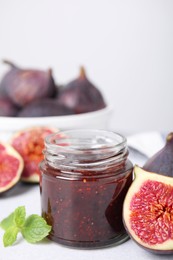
(45, 107)
(11, 166)
(7, 108)
(81, 95)
(148, 211)
(25, 85)
(30, 144)
(162, 161)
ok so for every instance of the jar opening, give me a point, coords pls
(82, 141)
(84, 148)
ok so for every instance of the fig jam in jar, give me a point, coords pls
(84, 178)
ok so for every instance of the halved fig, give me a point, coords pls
(30, 144)
(148, 211)
(11, 167)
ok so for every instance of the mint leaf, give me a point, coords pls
(7, 222)
(10, 236)
(19, 216)
(35, 229)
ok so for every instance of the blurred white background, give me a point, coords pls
(126, 47)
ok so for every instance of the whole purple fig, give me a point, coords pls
(45, 107)
(7, 108)
(81, 95)
(25, 85)
(162, 161)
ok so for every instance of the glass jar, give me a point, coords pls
(85, 177)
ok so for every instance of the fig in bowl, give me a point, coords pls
(22, 86)
(7, 108)
(81, 95)
(45, 107)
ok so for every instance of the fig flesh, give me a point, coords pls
(81, 95)
(162, 161)
(148, 211)
(45, 107)
(25, 85)
(7, 108)
(11, 167)
(30, 144)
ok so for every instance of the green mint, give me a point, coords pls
(19, 216)
(10, 236)
(7, 222)
(33, 228)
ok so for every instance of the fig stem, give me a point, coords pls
(10, 64)
(169, 137)
(50, 71)
(82, 72)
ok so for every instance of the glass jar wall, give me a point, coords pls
(85, 177)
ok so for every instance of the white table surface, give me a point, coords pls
(29, 196)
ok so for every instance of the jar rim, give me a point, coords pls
(85, 149)
(90, 140)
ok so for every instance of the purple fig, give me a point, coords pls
(81, 95)
(7, 108)
(25, 85)
(2, 92)
(45, 107)
(162, 161)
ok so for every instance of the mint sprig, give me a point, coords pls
(33, 228)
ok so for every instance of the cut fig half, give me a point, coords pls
(11, 167)
(148, 211)
(30, 144)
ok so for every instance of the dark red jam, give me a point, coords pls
(82, 198)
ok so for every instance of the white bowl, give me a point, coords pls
(97, 119)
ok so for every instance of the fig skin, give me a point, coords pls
(7, 108)
(43, 108)
(81, 95)
(10, 160)
(143, 214)
(25, 85)
(162, 161)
